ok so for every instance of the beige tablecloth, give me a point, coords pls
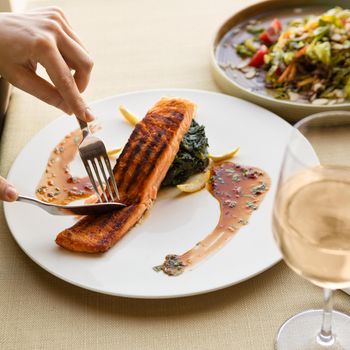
(136, 44)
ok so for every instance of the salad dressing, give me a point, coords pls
(239, 191)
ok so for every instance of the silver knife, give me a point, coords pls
(86, 209)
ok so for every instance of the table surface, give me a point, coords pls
(136, 45)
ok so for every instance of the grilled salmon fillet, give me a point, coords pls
(139, 171)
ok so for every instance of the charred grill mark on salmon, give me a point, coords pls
(148, 169)
(139, 171)
(146, 157)
(131, 152)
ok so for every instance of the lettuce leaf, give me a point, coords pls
(320, 51)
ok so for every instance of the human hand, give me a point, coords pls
(7, 191)
(45, 37)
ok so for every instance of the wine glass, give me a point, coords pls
(311, 224)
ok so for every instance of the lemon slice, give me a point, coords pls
(195, 183)
(225, 156)
(113, 152)
(130, 118)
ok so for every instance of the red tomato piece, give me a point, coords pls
(277, 25)
(264, 38)
(272, 33)
(258, 59)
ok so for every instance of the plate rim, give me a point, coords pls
(7, 205)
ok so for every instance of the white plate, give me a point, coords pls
(175, 223)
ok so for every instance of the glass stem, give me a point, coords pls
(325, 337)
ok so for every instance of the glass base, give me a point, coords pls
(301, 332)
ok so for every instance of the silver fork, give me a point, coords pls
(93, 153)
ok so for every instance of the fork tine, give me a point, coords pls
(92, 161)
(106, 179)
(111, 175)
(91, 177)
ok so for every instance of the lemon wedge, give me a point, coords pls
(113, 152)
(225, 156)
(130, 117)
(195, 183)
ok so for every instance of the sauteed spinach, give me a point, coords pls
(192, 157)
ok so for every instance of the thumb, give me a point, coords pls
(7, 191)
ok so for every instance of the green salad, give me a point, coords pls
(307, 59)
